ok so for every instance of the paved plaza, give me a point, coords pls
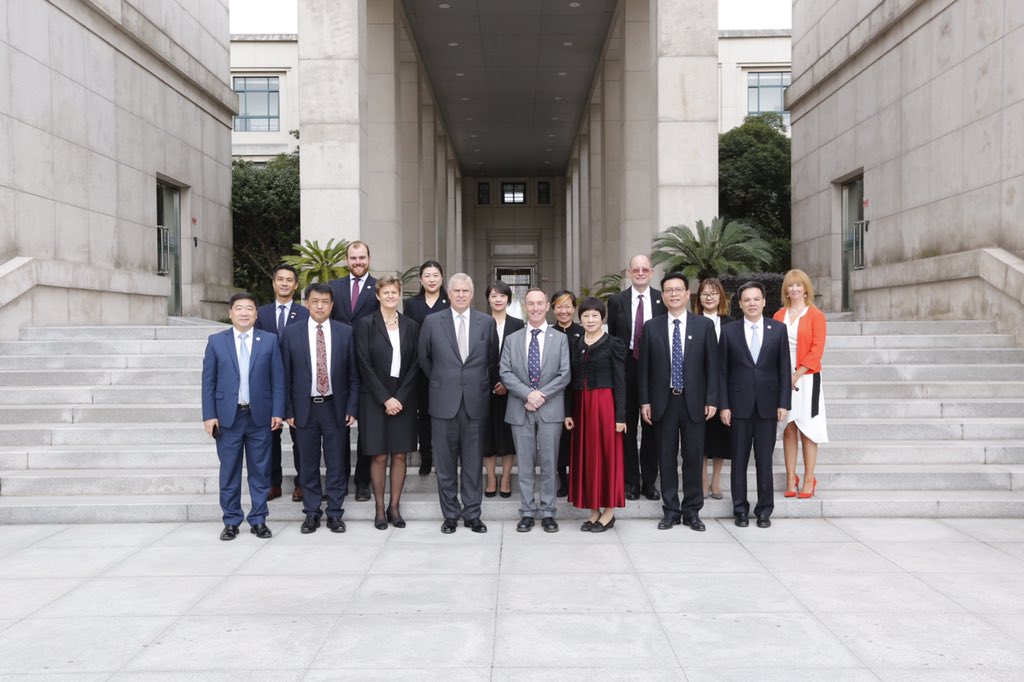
(843, 599)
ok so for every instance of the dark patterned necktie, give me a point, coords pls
(280, 319)
(355, 292)
(322, 384)
(533, 360)
(677, 358)
(638, 326)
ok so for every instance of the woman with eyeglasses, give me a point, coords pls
(563, 303)
(713, 304)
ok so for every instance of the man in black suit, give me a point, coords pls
(322, 396)
(755, 395)
(274, 317)
(628, 311)
(355, 297)
(678, 389)
(458, 350)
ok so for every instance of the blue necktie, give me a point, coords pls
(243, 370)
(755, 343)
(533, 360)
(280, 319)
(677, 358)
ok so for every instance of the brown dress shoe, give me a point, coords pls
(297, 495)
(275, 492)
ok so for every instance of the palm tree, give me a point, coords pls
(709, 251)
(319, 264)
(606, 287)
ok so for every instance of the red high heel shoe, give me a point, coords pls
(805, 496)
(792, 493)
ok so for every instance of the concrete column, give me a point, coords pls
(637, 225)
(409, 158)
(574, 219)
(427, 177)
(333, 91)
(583, 224)
(611, 260)
(686, 129)
(591, 263)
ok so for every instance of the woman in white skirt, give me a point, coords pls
(805, 424)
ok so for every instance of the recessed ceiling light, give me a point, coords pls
(558, 98)
(574, 5)
(473, 135)
(476, 150)
(547, 163)
(445, 5)
(479, 163)
(562, 73)
(469, 118)
(453, 44)
(464, 99)
(551, 134)
(554, 118)
(567, 43)
(459, 74)
(548, 149)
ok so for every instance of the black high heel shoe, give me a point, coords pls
(395, 519)
(491, 493)
(380, 522)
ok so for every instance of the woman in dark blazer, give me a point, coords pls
(563, 303)
(431, 298)
(713, 304)
(500, 444)
(386, 343)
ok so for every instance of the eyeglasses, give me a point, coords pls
(640, 270)
(709, 294)
(673, 290)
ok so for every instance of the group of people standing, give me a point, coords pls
(470, 390)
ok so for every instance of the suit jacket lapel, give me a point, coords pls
(449, 329)
(257, 344)
(336, 354)
(229, 343)
(550, 352)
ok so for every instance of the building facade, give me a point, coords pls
(115, 155)
(908, 157)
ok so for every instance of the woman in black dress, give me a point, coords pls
(388, 366)
(430, 299)
(563, 303)
(499, 295)
(713, 304)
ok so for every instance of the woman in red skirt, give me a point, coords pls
(598, 395)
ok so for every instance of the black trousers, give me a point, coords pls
(276, 470)
(423, 420)
(564, 443)
(675, 427)
(362, 476)
(641, 463)
(759, 433)
(323, 434)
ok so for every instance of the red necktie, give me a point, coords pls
(322, 384)
(638, 327)
(355, 292)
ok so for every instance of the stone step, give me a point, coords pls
(846, 430)
(907, 327)
(924, 356)
(140, 434)
(944, 372)
(922, 389)
(102, 414)
(101, 395)
(205, 480)
(423, 507)
(909, 409)
(96, 362)
(892, 341)
(105, 347)
(109, 377)
(125, 332)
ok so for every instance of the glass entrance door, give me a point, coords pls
(168, 237)
(853, 234)
(519, 279)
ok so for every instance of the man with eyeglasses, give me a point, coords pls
(628, 311)
(678, 391)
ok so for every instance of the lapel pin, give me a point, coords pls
(689, 337)
(257, 338)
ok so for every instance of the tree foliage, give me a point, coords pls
(265, 219)
(754, 181)
(319, 264)
(710, 250)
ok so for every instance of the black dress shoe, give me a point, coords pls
(395, 519)
(587, 526)
(652, 493)
(764, 522)
(449, 526)
(426, 461)
(310, 525)
(335, 524)
(362, 493)
(475, 525)
(380, 522)
(667, 522)
(695, 523)
(632, 494)
(742, 521)
(525, 524)
(549, 524)
(563, 490)
(599, 527)
(261, 531)
(229, 533)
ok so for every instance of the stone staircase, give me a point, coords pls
(102, 424)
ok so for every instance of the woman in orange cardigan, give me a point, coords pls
(806, 420)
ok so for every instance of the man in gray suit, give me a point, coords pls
(458, 351)
(535, 369)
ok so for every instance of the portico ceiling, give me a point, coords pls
(511, 77)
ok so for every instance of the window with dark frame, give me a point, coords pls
(483, 193)
(543, 193)
(765, 92)
(259, 104)
(513, 192)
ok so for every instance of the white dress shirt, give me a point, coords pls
(396, 352)
(238, 348)
(311, 325)
(455, 320)
(717, 320)
(648, 310)
(277, 313)
(672, 329)
(748, 325)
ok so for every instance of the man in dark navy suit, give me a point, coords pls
(322, 398)
(678, 393)
(243, 401)
(755, 396)
(274, 317)
(355, 297)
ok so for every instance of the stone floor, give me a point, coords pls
(808, 599)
